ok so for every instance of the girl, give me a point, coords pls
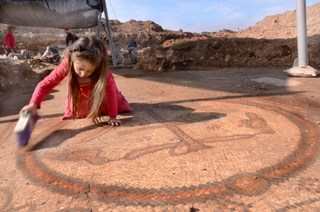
(92, 90)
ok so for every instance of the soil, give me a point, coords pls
(283, 26)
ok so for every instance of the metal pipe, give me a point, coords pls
(99, 24)
(302, 33)
(117, 51)
(114, 59)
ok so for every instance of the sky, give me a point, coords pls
(199, 15)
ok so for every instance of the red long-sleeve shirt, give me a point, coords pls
(8, 41)
(113, 101)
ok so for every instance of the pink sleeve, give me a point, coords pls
(112, 99)
(49, 82)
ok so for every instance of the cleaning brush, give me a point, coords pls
(24, 128)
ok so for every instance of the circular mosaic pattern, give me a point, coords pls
(172, 153)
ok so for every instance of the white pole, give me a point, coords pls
(302, 69)
(302, 33)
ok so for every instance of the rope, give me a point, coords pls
(113, 10)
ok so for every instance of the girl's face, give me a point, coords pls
(83, 68)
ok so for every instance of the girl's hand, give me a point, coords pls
(30, 108)
(113, 121)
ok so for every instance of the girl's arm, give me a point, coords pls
(112, 100)
(46, 85)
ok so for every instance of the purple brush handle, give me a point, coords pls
(24, 136)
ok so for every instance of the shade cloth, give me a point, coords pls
(50, 13)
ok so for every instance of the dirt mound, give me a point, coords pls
(134, 26)
(14, 74)
(284, 25)
(219, 52)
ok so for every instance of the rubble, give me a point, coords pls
(15, 74)
(218, 52)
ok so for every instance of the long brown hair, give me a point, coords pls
(92, 50)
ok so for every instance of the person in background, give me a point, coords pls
(132, 47)
(8, 40)
(52, 55)
(75, 37)
(69, 38)
(25, 54)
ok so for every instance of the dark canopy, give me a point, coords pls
(50, 13)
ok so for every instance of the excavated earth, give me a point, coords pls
(270, 43)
